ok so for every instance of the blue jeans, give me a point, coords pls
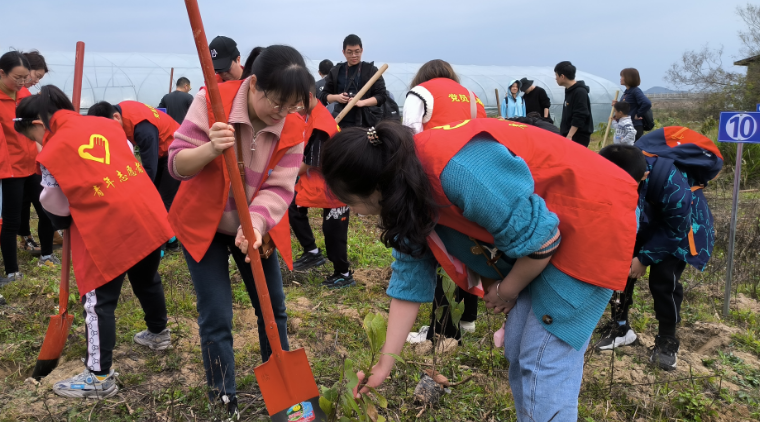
(213, 289)
(545, 373)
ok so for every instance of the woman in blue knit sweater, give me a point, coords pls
(387, 172)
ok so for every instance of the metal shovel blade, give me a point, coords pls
(288, 387)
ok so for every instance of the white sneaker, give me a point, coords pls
(418, 337)
(466, 327)
(87, 385)
(154, 341)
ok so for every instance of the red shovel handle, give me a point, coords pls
(201, 43)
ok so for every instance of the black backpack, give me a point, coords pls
(390, 109)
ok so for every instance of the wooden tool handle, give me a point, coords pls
(201, 44)
(609, 121)
(76, 100)
(361, 92)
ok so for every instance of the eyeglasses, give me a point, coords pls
(20, 80)
(276, 107)
(353, 52)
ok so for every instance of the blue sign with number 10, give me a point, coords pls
(739, 127)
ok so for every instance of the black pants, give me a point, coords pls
(667, 294)
(15, 190)
(166, 185)
(335, 228)
(581, 138)
(100, 305)
(639, 132)
(445, 326)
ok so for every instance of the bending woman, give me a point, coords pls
(504, 191)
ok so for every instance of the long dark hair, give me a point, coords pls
(27, 111)
(50, 100)
(281, 71)
(248, 67)
(354, 168)
(36, 60)
(11, 59)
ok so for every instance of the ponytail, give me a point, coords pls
(354, 167)
(248, 68)
(51, 100)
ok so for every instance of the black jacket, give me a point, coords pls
(377, 89)
(536, 101)
(176, 104)
(577, 110)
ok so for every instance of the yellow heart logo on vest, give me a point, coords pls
(95, 139)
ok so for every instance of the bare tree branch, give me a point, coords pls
(750, 14)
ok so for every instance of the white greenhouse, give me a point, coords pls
(144, 77)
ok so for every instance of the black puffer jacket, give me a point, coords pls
(576, 111)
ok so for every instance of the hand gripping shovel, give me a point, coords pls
(286, 381)
(60, 324)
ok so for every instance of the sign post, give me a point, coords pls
(739, 128)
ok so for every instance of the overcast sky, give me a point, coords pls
(600, 37)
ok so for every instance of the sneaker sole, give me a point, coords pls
(620, 341)
(88, 394)
(663, 366)
(342, 286)
(311, 266)
(159, 347)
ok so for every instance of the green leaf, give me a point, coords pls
(396, 356)
(439, 312)
(326, 406)
(351, 378)
(349, 398)
(380, 418)
(379, 329)
(370, 331)
(457, 312)
(331, 394)
(381, 401)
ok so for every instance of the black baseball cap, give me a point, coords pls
(223, 51)
(525, 83)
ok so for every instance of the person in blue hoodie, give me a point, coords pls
(675, 229)
(513, 104)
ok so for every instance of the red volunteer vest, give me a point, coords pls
(311, 189)
(19, 152)
(134, 112)
(200, 201)
(594, 199)
(451, 102)
(118, 215)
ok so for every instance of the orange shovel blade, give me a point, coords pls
(52, 346)
(287, 382)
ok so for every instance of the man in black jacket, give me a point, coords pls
(535, 99)
(345, 80)
(576, 123)
(178, 101)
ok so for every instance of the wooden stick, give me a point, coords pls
(171, 80)
(496, 90)
(609, 121)
(361, 93)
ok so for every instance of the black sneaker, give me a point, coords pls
(337, 281)
(665, 353)
(173, 245)
(309, 260)
(617, 337)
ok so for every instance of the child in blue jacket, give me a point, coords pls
(675, 228)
